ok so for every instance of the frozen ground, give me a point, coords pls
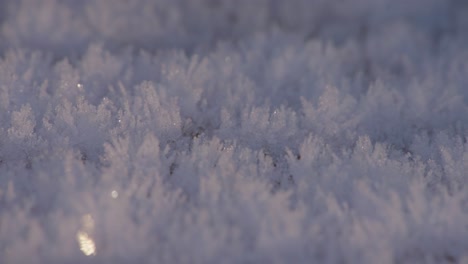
(234, 131)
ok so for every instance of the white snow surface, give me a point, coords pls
(233, 131)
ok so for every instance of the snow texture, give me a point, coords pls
(234, 131)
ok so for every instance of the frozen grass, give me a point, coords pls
(222, 131)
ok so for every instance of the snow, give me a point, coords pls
(222, 131)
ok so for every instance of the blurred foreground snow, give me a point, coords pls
(222, 131)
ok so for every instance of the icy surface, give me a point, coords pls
(234, 131)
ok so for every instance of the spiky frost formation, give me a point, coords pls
(219, 131)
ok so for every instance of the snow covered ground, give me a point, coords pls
(233, 131)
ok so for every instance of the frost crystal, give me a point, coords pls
(222, 131)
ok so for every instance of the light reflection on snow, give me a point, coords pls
(114, 194)
(87, 245)
(84, 238)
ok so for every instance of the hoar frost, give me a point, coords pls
(250, 131)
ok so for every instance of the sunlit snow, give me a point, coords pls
(233, 131)
(84, 237)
